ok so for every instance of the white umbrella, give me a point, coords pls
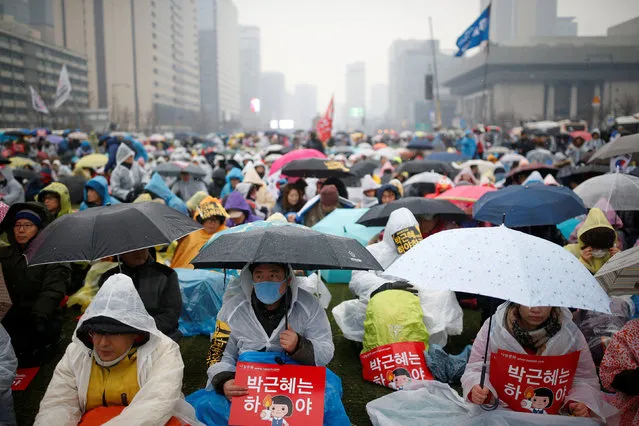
(78, 136)
(406, 134)
(502, 263)
(620, 275)
(624, 145)
(386, 152)
(157, 138)
(512, 157)
(428, 177)
(483, 165)
(619, 189)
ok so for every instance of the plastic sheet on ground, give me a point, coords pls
(202, 292)
(445, 367)
(87, 292)
(435, 403)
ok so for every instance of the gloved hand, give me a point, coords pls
(396, 285)
(130, 197)
(138, 188)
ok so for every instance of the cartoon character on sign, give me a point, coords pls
(537, 400)
(277, 408)
(399, 378)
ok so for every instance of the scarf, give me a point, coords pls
(532, 339)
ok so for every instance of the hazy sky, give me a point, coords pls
(311, 41)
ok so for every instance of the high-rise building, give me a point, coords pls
(304, 105)
(379, 100)
(219, 40)
(356, 94)
(250, 70)
(273, 97)
(142, 56)
(566, 26)
(17, 9)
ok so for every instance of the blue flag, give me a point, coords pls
(479, 31)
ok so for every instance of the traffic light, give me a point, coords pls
(429, 87)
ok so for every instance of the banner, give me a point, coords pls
(479, 31)
(279, 395)
(532, 383)
(325, 124)
(395, 365)
(63, 91)
(23, 377)
(37, 103)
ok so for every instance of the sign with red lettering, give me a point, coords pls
(395, 365)
(23, 378)
(532, 383)
(279, 395)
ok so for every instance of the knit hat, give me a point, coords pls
(329, 195)
(29, 215)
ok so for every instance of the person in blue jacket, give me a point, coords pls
(96, 194)
(157, 188)
(467, 145)
(234, 177)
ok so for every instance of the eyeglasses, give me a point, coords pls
(23, 226)
(93, 334)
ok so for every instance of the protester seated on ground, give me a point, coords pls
(262, 197)
(440, 312)
(158, 189)
(291, 201)
(118, 366)
(239, 210)
(255, 319)
(96, 194)
(466, 177)
(389, 192)
(611, 215)
(43, 178)
(60, 169)
(234, 177)
(320, 206)
(431, 225)
(619, 371)
(542, 331)
(186, 186)
(57, 199)
(597, 241)
(8, 367)
(128, 178)
(11, 191)
(369, 192)
(212, 216)
(218, 180)
(34, 321)
(157, 286)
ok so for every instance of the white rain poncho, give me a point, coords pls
(123, 179)
(585, 386)
(442, 314)
(159, 364)
(305, 316)
(8, 366)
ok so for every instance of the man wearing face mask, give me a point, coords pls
(597, 241)
(266, 311)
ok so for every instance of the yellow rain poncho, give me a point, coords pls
(596, 221)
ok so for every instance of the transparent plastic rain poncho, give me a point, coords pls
(160, 367)
(442, 314)
(8, 366)
(305, 315)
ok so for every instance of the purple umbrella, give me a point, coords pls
(54, 139)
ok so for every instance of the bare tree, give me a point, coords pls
(627, 105)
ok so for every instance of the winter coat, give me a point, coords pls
(185, 190)
(159, 290)
(123, 178)
(235, 173)
(235, 201)
(100, 185)
(244, 333)
(218, 182)
(8, 367)
(11, 191)
(595, 219)
(157, 186)
(311, 212)
(35, 318)
(442, 314)
(585, 385)
(467, 147)
(159, 368)
(61, 191)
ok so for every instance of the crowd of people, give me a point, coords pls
(124, 365)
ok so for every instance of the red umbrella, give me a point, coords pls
(465, 196)
(581, 134)
(298, 154)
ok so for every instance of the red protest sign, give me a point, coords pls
(279, 394)
(23, 378)
(533, 383)
(395, 365)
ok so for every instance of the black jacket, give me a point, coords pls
(159, 290)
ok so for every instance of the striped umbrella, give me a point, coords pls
(620, 275)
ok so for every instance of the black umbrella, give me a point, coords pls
(315, 167)
(419, 166)
(75, 184)
(302, 248)
(108, 231)
(21, 173)
(581, 173)
(365, 167)
(172, 169)
(378, 215)
(4, 160)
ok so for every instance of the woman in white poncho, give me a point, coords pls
(149, 372)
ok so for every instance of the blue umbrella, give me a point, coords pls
(448, 157)
(419, 143)
(341, 222)
(529, 205)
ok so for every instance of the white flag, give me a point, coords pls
(64, 88)
(37, 103)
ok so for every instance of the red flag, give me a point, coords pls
(325, 124)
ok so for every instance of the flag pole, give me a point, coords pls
(484, 115)
(435, 79)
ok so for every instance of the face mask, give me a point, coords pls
(369, 200)
(599, 253)
(268, 292)
(109, 364)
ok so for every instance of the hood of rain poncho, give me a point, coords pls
(157, 186)
(388, 187)
(251, 176)
(7, 172)
(595, 219)
(236, 201)
(61, 191)
(385, 251)
(218, 174)
(534, 177)
(368, 183)
(123, 153)
(550, 180)
(466, 172)
(235, 173)
(99, 184)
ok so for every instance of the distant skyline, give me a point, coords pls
(311, 41)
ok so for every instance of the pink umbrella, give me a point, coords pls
(298, 154)
(581, 134)
(464, 196)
